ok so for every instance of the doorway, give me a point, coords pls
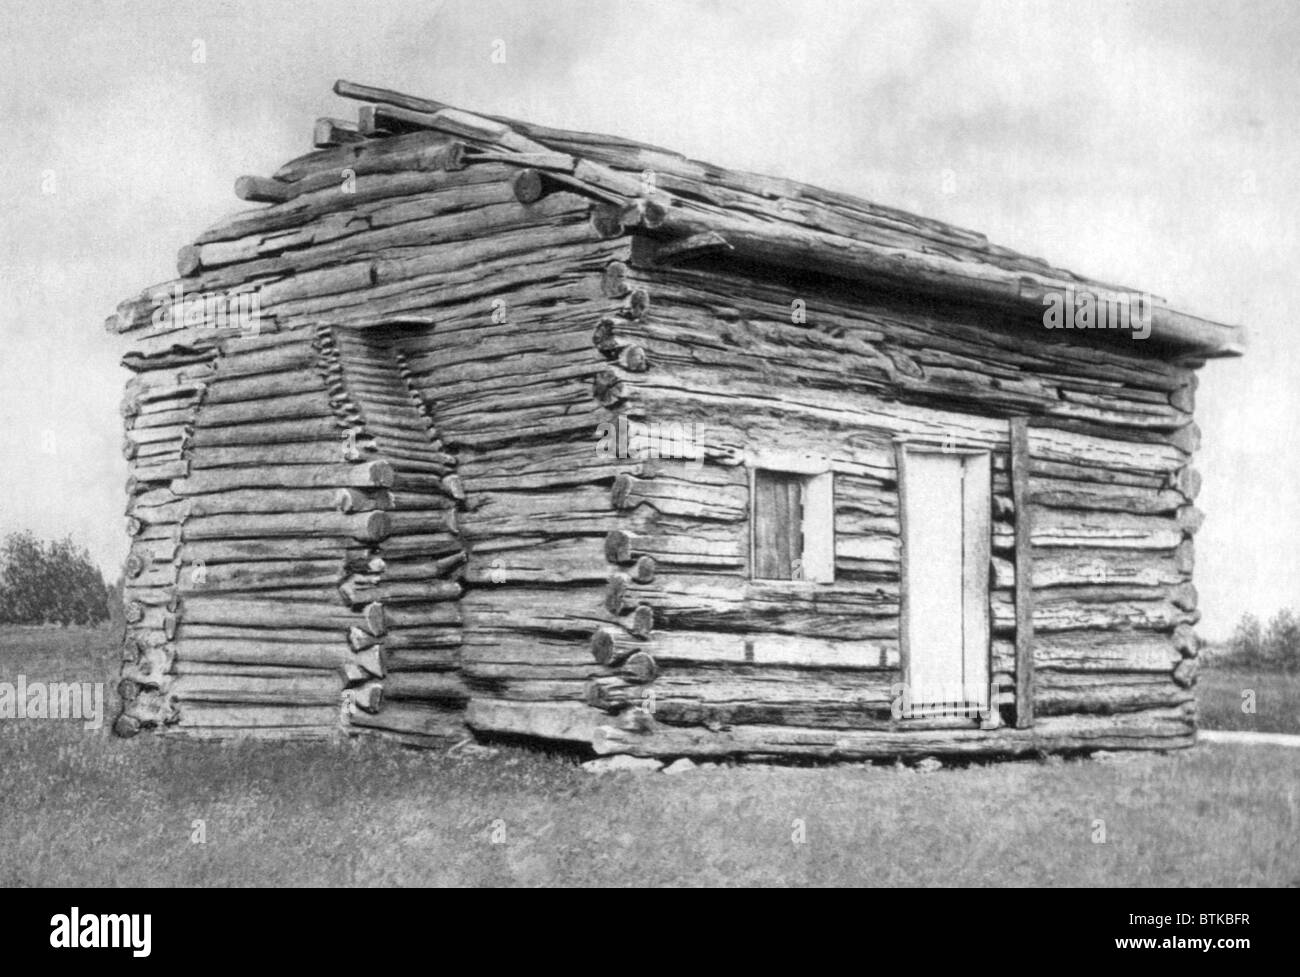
(945, 505)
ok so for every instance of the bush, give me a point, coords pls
(1282, 641)
(1274, 647)
(49, 582)
(1247, 642)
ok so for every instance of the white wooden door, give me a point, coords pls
(945, 630)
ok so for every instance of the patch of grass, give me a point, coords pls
(82, 808)
(1220, 691)
(58, 654)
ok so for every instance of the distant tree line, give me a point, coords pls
(49, 582)
(1275, 646)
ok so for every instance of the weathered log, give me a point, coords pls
(368, 698)
(438, 641)
(418, 522)
(261, 190)
(359, 590)
(1062, 494)
(212, 551)
(716, 602)
(1190, 520)
(293, 407)
(671, 648)
(368, 526)
(244, 670)
(248, 501)
(150, 708)
(444, 687)
(422, 657)
(1061, 527)
(1187, 480)
(1076, 694)
(529, 186)
(1167, 729)
(255, 613)
(314, 632)
(613, 280)
(642, 621)
(413, 719)
(259, 717)
(329, 133)
(1054, 567)
(378, 182)
(350, 500)
(537, 559)
(1086, 609)
(618, 546)
(321, 689)
(126, 726)
(324, 655)
(432, 544)
(565, 721)
(640, 667)
(421, 615)
(1186, 671)
(199, 577)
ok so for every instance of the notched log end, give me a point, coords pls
(613, 280)
(529, 186)
(188, 261)
(621, 491)
(605, 219)
(603, 336)
(369, 698)
(618, 546)
(602, 646)
(126, 726)
(607, 388)
(640, 667)
(643, 621)
(638, 302)
(615, 592)
(633, 359)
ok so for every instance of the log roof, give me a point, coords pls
(679, 208)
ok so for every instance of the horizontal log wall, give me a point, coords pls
(246, 576)
(293, 507)
(518, 392)
(688, 640)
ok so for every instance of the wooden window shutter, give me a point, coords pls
(778, 525)
(793, 526)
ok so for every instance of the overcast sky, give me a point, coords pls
(1153, 144)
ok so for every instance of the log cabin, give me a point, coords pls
(475, 427)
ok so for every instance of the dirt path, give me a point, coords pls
(1248, 738)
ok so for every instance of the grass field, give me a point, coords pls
(81, 808)
(1275, 698)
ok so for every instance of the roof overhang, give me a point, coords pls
(680, 209)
